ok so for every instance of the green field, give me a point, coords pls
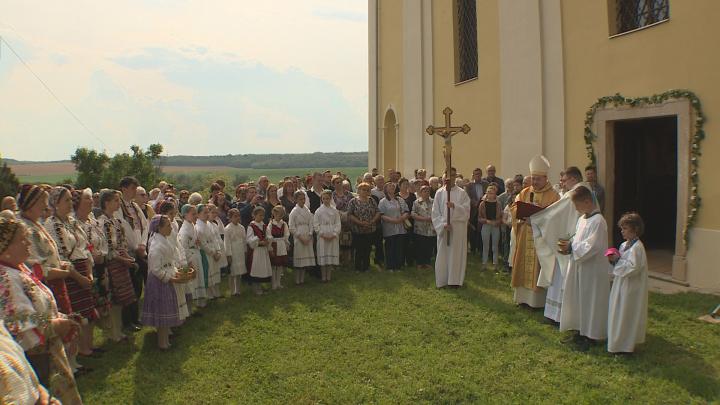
(383, 337)
(47, 178)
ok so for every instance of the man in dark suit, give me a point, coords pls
(476, 190)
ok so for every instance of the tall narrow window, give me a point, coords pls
(634, 14)
(466, 50)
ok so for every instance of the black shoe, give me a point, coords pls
(574, 338)
(582, 345)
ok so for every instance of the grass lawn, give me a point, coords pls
(394, 338)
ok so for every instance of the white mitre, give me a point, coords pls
(539, 166)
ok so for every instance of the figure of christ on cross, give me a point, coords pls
(447, 132)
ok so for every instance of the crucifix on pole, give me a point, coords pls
(447, 132)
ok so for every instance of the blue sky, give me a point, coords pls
(210, 77)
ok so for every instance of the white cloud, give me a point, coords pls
(317, 46)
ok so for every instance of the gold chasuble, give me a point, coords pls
(526, 267)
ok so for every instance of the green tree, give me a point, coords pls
(90, 166)
(9, 184)
(98, 170)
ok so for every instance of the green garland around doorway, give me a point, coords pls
(699, 134)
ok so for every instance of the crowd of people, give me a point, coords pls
(120, 259)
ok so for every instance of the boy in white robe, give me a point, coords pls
(556, 222)
(301, 227)
(451, 259)
(235, 248)
(627, 318)
(327, 226)
(587, 284)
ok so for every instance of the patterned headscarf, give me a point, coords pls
(8, 229)
(155, 224)
(56, 194)
(29, 195)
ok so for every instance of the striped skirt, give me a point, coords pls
(81, 298)
(60, 292)
(121, 287)
(160, 306)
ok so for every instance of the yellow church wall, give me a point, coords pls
(677, 54)
(475, 102)
(390, 72)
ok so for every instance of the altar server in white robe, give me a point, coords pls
(235, 248)
(327, 227)
(556, 222)
(451, 260)
(209, 250)
(587, 285)
(301, 227)
(627, 318)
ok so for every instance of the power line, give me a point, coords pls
(52, 93)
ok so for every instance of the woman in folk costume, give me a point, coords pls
(301, 227)
(258, 258)
(31, 316)
(98, 249)
(235, 249)
(190, 245)
(627, 317)
(341, 197)
(526, 267)
(44, 257)
(168, 208)
(280, 233)
(118, 261)
(72, 245)
(327, 226)
(587, 283)
(208, 252)
(160, 307)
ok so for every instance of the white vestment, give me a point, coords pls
(451, 260)
(301, 225)
(627, 318)
(587, 285)
(209, 245)
(558, 221)
(235, 247)
(327, 221)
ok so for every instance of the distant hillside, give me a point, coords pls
(269, 161)
(273, 161)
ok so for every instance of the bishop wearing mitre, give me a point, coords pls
(526, 267)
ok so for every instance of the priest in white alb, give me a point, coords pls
(587, 284)
(526, 268)
(451, 259)
(556, 222)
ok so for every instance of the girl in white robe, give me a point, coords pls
(301, 227)
(627, 317)
(218, 233)
(327, 226)
(278, 230)
(190, 245)
(208, 248)
(235, 248)
(259, 256)
(587, 283)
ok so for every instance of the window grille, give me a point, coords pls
(634, 14)
(466, 50)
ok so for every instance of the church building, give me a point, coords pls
(631, 87)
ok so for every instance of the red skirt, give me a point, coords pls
(81, 298)
(276, 260)
(121, 288)
(60, 292)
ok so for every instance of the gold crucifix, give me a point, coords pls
(447, 132)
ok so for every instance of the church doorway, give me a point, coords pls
(646, 181)
(389, 141)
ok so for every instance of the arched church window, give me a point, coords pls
(466, 49)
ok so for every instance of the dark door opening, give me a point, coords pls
(646, 178)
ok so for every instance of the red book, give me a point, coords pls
(524, 209)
